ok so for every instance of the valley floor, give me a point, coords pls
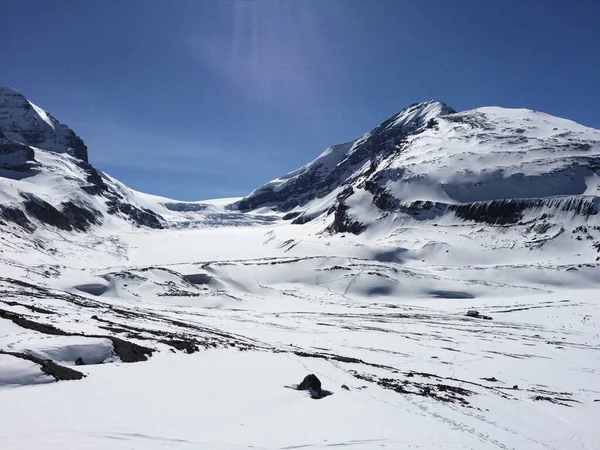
(232, 315)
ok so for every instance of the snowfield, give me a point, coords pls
(231, 324)
(440, 275)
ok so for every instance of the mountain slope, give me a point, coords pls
(45, 177)
(26, 123)
(46, 181)
(490, 165)
(175, 321)
(338, 165)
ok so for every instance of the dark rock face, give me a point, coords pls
(129, 351)
(17, 216)
(500, 212)
(24, 123)
(507, 212)
(342, 222)
(318, 179)
(78, 148)
(381, 197)
(140, 216)
(46, 213)
(17, 158)
(81, 218)
(70, 217)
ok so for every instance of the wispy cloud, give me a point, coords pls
(274, 52)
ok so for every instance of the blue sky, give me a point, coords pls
(195, 99)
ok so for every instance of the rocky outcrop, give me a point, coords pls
(342, 223)
(32, 142)
(140, 216)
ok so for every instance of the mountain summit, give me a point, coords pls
(45, 177)
(338, 165)
(491, 165)
(28, 124)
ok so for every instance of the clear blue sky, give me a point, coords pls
(197, 99)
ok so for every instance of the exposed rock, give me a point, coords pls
(49, 367)
(342, 223)
(139, 216)
(17, 216)
(338, 164)
(127, 351)
(71, 217)
(81, 218)
(556, 400)
(474, 313)
(23, 322)
(490, 379)
(26, 123)
(439, 391)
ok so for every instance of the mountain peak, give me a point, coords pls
(28, 124)
(4, 90)
(418, 114)
(431, 154)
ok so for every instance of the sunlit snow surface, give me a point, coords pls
(224, 308)
(275, 302)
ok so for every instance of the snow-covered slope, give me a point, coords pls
(337, 165)
(183, 321)
(489, 165)
(46, 181)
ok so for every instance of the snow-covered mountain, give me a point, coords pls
(23, 122)
(428, 162)
(439, 274)
(46, 178)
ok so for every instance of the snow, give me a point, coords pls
(480, 155)
(216, 407)
(43, 115)
(354, 297)
(19, 372)
(420, 113)
(234, 306)
(67, 349)
(22, 121)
